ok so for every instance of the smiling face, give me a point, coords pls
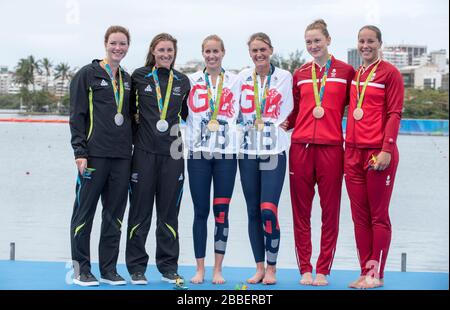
(164, 54)
(213, 54)
(116, 47)
(368, 46)
(317, 44)
(260, 53)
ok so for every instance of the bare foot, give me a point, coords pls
(258, 277)
(198, 277)
(320, 280)
(370, 282)
(357, 282)
(269, 277)
(306, 279)
(217, 277)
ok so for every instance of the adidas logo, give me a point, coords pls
(181, 178)
(388, 180)
(104, 83)
(148, 89)
(134, 177)
(200, 80)
(333, 73)
(177, 91)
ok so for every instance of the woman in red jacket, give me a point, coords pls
(371, 154)
(320, 90)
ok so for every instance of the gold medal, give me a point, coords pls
(213, 125)
(318, 112)
(358, 114)
(259, 124)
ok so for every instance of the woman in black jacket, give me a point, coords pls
(159, 100)
(100, 125)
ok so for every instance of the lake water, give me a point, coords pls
(37, 190)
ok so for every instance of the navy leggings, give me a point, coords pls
(202, 169)
(262, 180)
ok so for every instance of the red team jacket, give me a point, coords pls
(382, 106)
(328, 129)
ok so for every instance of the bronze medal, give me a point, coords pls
(358, 114)
(318, 112)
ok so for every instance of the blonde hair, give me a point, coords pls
(260, 36)
(213, 37)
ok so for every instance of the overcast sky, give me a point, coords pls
(72, 30)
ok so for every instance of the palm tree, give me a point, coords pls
(24, 77)
(62, 72)
(47, 66)
(35, 67)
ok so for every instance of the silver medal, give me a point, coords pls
(162, 125)
(118, 119)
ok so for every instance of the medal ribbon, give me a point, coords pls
(360, 96)
(214, 105)
(319, 96)
(118, 95)
(260, 107)
(162, 106)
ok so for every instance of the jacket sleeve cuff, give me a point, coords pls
(388, 145)
(80, 155)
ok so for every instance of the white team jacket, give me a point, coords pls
(279, 104)
(198, 137)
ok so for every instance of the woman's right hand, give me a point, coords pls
(81, 164)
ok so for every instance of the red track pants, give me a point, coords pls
(370, 192)
(310, 164)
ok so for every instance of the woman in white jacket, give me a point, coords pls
(266, 102)
(212, 143)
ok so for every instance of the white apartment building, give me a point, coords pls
(396, 57)
(422, 77)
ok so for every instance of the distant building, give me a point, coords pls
(353, 58)
(422, 77)
(396, 57)
(439, 58)
(191, 66)
(444, 83)
(3, 69)
(413, 51)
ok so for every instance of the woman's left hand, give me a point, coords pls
(383, 161)
(284, 125)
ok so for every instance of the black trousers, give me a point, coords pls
(160, 179)
(108, 178)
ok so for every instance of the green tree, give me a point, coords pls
(9, 101)
(62, 72)
(35, 68)
(294, 61)
(425, 104)
(44, 101)
(47, 66)
(24, 77)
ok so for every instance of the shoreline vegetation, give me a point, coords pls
(418, 104)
